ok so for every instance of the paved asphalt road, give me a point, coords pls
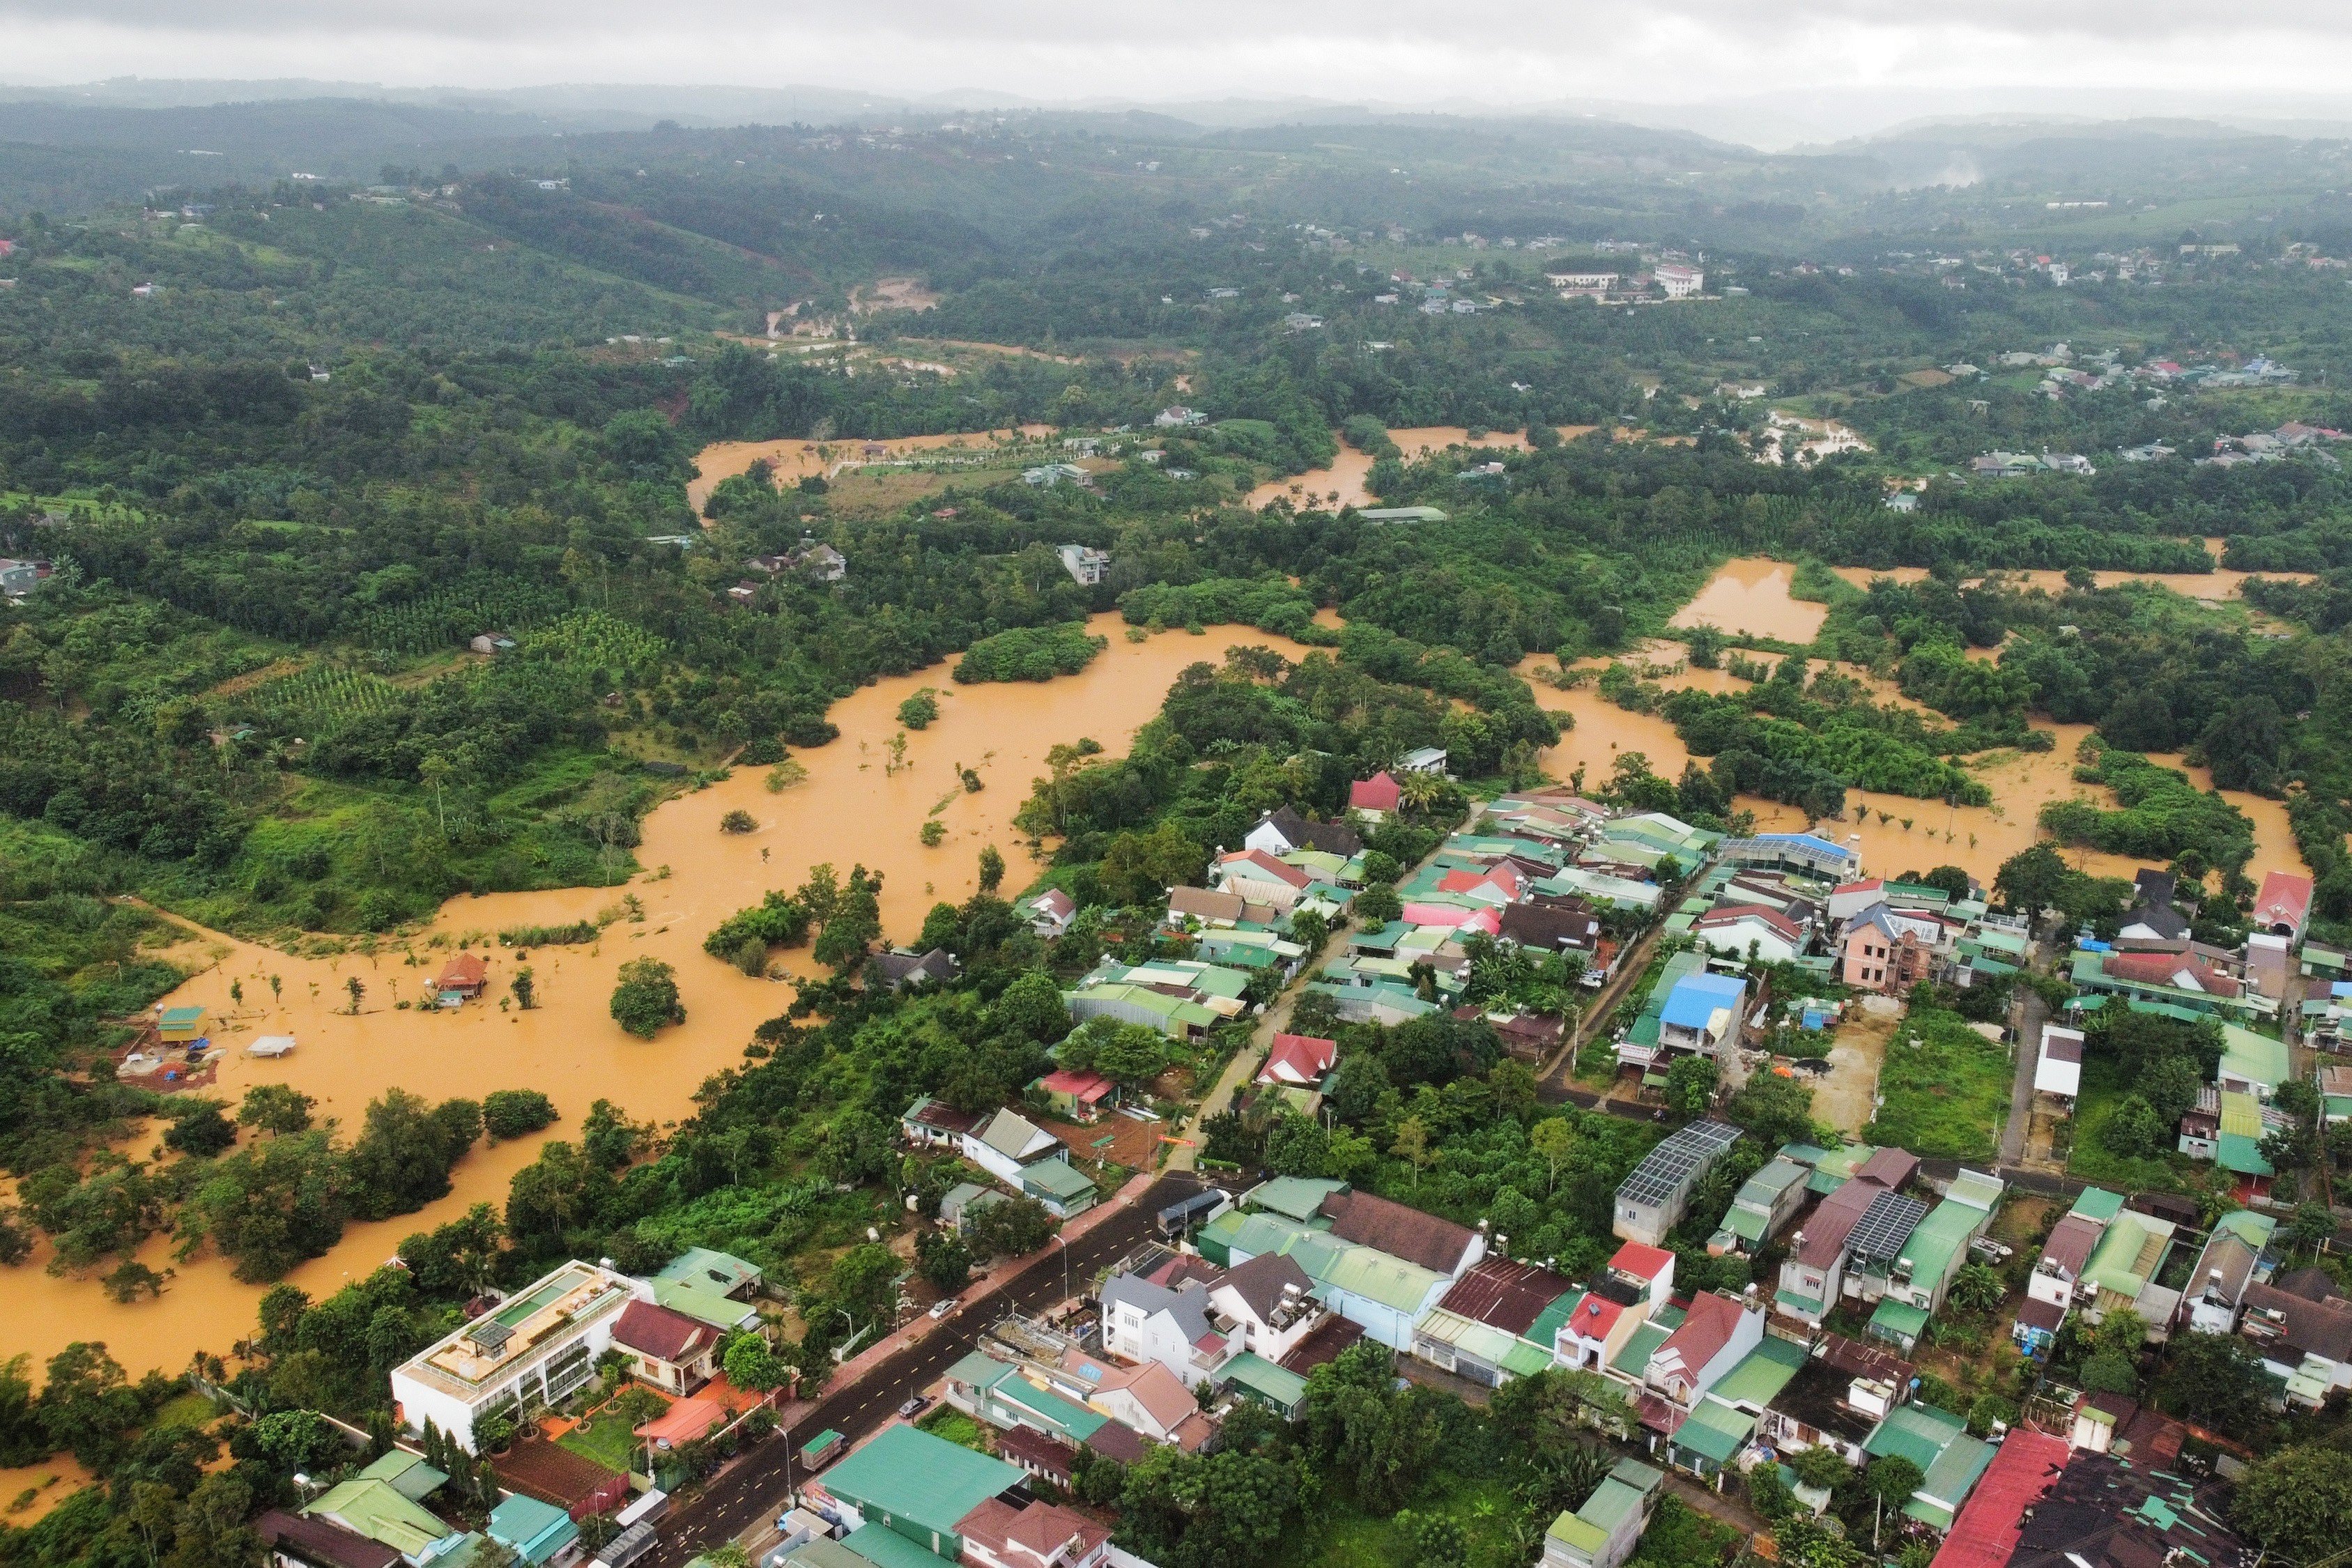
(752, 1492)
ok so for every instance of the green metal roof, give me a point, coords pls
(1294, 1197)
(885, 1548)
(373, 1509)
(825, 1553)
(1579, 1535)
(2236, 1152)
(1920, 1433)
(1611, 1503)
(405, 1473)
(1057, 1178)
(979, 1369)
(1379, 1276)
(1544, 1329)
(1949, 1481)
(1066, 1417)
(1902, 1321)
(713, 1306)
(1939, 1243)
(1761, 1374)
(2115, 1262)
(2098, 1203)
(1278, 1386)
(1837, 1165)
(925, 1482)
(1714, 1431)
(537, 1530)
(710, 1269)
(2257, 1058)
(1640, 1345)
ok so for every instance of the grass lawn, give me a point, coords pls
(605, 1438)
(1341, 1537)
(2103, 1091)
(946, 1421)
(189, 1409)
(1947, 1095)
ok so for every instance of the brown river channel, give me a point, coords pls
(853, 807)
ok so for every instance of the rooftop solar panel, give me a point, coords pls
(1885, 1226)
(1660, 1175)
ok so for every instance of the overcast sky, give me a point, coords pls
(1503, 52)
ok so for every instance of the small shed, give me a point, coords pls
(493, 643)
(270, 1045)
(180, 1025)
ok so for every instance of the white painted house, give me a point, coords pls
(533, 1350)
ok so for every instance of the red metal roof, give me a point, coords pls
(2285, 899)
(1083, 1087)
(2024, 1469)
(1641, 1261)
(1298, 1058)
(1379, 793)
(465, 970)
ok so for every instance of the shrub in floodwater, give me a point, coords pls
(739, 821)
(647, 997)
(917, 712)
(516, 1112)
(934, 834)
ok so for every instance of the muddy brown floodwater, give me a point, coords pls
(1916, 834)
(852, 809)
(1346, 476)
(797, 459)
(2221, 584)
(1751, 597)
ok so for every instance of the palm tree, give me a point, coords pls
(1419, 792)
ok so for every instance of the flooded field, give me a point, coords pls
(1751, 597)
(1914, 834)
(797, 459)
(28, 1492)
(1894, 833)
(1342, 484)
(2215, 586)
(853, 807)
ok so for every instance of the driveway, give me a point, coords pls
(2027, 1013)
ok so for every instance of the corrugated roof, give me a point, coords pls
(1376, 1275)
(1716, 1431)
(928, 1481)
(885, 1548)
(1506, 1295)
(1761, 1374)
(1278, 1386)
(2022, 1471)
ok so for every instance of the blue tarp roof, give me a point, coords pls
(1696, 998)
